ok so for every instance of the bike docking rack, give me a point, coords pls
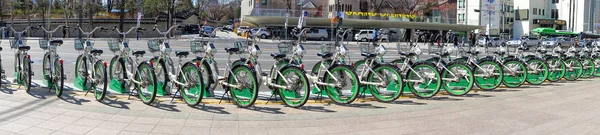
(52, 65)
(164, 88)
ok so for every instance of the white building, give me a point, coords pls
(498, 13)
(571, 15)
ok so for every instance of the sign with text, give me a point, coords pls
(372, 14)
(489, 13)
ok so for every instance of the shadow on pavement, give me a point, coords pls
(361, 105)
(316, 109)
(478, 95)
(407, 102)
(71, 99)
(266, 110)
(500, 90)
(40, 94)
(21, 108)
(115, 103)
(211, 109)
(444, 99)
(7, 90)
(166, 107)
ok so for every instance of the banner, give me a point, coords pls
(372, 14)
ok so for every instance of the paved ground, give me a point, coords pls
(553, 108)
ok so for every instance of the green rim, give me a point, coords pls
(488, 83)
(145, 74)
(517, 79)
(430, 87)
(317, 67)
(340, 95)
(299, 95)
(392, 90)
(58, 84)
(46, 70)
(100, 73)
(597, 67)
(588, 68)
(461, 86)
(246, 96)
(575, 72)
(537, 72)
(556, 69)
(192, 94)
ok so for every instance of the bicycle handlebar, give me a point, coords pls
(165, 33)
(139, 29)
(55, 29)
(88, 34)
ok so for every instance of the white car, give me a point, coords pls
(494, 41)
(560, 41)
(320, 34)
(530, 41)
(367, 35)
(241, 30)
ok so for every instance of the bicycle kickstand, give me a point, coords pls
(175, 95)
(223, 96)
(271, 97)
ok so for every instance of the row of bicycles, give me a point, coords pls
(335, 75)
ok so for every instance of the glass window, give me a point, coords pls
(535, 11)
(461, 4)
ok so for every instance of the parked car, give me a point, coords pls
(560, 41)
(320, 34)
(494, 41)
(526, 41)
(241, 30)
(263, 33)
(367, 35)
(208, 31)
(228, 27)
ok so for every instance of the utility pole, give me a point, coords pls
(121, 14)
(80, 14)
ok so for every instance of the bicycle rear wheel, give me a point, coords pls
(465, 81)
(243, 76)
(515, 73)
(574, 72)
(432, 80)
(300, 89)
(192, 94)
(488, 75)
(101, 78)
(537, 71)
(58, 77)
(148, 88)
(597, 67)
(348, 91)
(26, 75)
(588, 68)
(556, 68)
(393, 87)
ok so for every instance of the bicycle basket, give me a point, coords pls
(403, 47)
(43, 44)
(78, 44)
(114, 45)
(367, 48)
(197, 46)
(153, 45)
(15, 44)
(243, 46)
(285, 48)
(327, 48)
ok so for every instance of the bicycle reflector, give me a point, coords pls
(105, 64)
(197, 64)
(302, 66)
(29, 56)
(152, 63)
(251, 65)
(61, 61)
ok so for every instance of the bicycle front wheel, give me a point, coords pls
(244, 77)
(147, 88)
(393, 83)
(457, 79)
(101, 80)
(26, 75)
(58, 77)
(573, 71)
(556, 68)
(47, 74)
(299, 89)
(347, 89)
(190, 75)
(162, 74)
(488, 75)
(597, 67)
(515, 73)
(588, 68)
(425, 81)
(537, 71)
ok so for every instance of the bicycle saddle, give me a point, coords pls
(561, 52)
(277, 55)
(56, 42)
(24, 48)
(472, 52)
(409, 54)
(139, 53)
(96, 51)
(542, 51)
(233, 50)
(0, 48)
(182, 53)
(325, 55)
(368, 55)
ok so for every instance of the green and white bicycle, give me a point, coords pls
(53, 71)
(90, 71)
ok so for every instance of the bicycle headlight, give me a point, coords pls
(381, 50)
(343, 50)
(210, 49)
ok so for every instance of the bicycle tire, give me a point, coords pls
(59, 84)
(485, 83)
(252, 90)
(27, 64)
(196, 90)
(435, 85)
(285, 94)
(81, 63)
(346, 71)
(47, 74)
(468, 82)
(555, 74)
(99, 66)
(576, 73)
(207, 75)
(597, 68)
(537, 79)
(395, 84)
(514, 81)
(148, 75)
(588, 69)
(162, 74)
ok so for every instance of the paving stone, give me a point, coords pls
(75, 129)
(14, 127)
(103, 131)
(143, 128)
(52, 125)
(37, 131)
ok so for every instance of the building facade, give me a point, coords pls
(495, 14)
(568, 15)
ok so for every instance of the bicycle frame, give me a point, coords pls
(164, 55)
(124, 55)
(87, 48)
